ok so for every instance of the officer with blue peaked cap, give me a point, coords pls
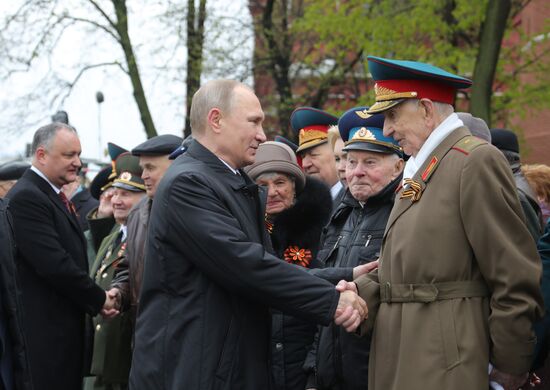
(312, 125)
(363, 131)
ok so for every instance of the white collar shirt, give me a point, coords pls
(39, 173)
(451, 123)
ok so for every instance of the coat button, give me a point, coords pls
(104, 275)
(279, 346)
(98, 327)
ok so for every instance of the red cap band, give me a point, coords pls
(438, 92)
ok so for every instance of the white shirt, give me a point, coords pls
(124, 231)
(39, 173)
(235, 171)
(335, 190)
(451, 123)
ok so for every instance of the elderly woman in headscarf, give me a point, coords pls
(297, 209)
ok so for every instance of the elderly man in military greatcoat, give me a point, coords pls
(112, 336)
(458, 279)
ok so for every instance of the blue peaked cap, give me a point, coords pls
(363, 131)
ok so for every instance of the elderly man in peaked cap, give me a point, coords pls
(352, 240)
(153, 159)
(458, 279)
(112, 337)
(312, 126)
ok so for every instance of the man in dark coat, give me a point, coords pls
(507, 142)
(14, 366)
(203, 321)
(153, 159)
(52, 265)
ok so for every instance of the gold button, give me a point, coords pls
(104, 275)
(98, 327)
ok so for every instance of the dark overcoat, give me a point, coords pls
(56, 290)
(14, 366)
(203, 320)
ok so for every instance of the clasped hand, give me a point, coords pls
(351, 309)
(111, 307)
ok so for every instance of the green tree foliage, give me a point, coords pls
(445, 33)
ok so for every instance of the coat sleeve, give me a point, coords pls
(218, 246)
(506, 256)
(33, 217)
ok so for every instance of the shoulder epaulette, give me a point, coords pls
(467, 144)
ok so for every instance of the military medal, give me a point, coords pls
(412, 190)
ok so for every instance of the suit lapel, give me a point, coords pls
(45, 187)
(424, 173)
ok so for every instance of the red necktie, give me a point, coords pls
(68, 205)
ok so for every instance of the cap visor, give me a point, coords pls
(127, 187)
(369, 147)
(311, 144)
(379, 107)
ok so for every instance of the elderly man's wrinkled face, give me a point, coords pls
(154, 168)
(369, 172)
(280, 191)
(319, 162)
(123, 201)
(242, 128)
(406, 123)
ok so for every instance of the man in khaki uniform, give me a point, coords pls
(112, 336)
(458, 280)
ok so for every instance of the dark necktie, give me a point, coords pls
(68, 205)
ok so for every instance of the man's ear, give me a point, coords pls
(40, 155)
(214, 119)
(398, 167)
(429, 112)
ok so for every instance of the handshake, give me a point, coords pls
(111, 307)
(352, 309)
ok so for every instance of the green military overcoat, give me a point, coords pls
(112, 351)
(459, 274)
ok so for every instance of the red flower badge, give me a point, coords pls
(299, 256)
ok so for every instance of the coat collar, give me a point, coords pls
(239, 182)
(402, 205)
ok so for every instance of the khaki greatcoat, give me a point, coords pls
(467, 227)
(112, 352)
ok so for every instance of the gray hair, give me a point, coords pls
(444, 109)
(214, 94)
(45, 135)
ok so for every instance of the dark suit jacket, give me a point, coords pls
(203, 320)
(56, 289)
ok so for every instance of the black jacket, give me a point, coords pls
(56, 290)
(353, 237)
(299, 226)
(203, 320)
(14, 366)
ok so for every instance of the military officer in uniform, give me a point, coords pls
(112, 336)
(311, 125)
(458, 277)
